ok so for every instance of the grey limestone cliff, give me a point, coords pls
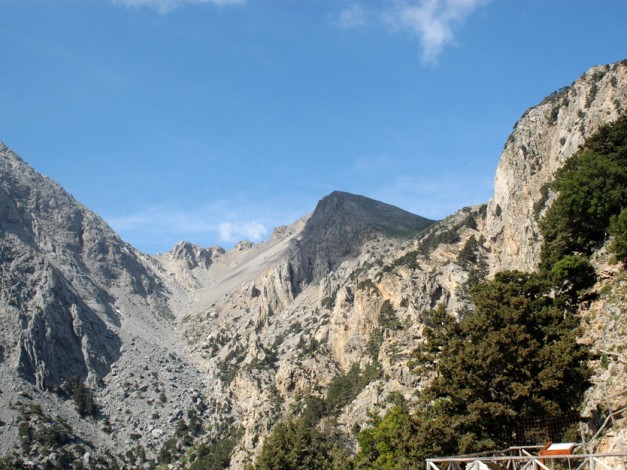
(76, 300)
(542, 140)
(61, 267)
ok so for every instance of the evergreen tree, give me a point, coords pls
(515, 358)
(295, 446)
(592, 188)
(618, 230)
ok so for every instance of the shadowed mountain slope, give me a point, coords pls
(338, 228)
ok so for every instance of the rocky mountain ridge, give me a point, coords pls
(77, 301)
(239, 339)
(339, 226)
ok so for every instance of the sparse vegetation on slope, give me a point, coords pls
(310, 439)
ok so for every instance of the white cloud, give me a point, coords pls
(164, 6)
(432, 21)
(353, 17)
(157, 228)
(234, 231)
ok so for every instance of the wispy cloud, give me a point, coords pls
(159, 227)
(432, 21)
(246, 230)
(352, 17)
(165, 6)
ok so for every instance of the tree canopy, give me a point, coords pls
(591, 191)
(515, 358)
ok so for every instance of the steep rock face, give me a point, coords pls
(338, 227)
(58, 263)
(75, 300)
(605, 330)
(544, 138)
(48, 330)
(67, 279)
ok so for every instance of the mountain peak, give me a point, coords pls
(363, 216)
(339, 226)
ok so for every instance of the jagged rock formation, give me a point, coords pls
(241, 336)
(195, 256)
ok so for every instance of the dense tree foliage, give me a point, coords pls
(303, 441)
(390, 442)
(592, 188)
(215, 454)
(295, 445)
(618, 230)
(516, 356)
(344, 388)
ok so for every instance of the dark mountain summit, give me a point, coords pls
(360, 217)
(338, 228)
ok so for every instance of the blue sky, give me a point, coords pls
(216, 120)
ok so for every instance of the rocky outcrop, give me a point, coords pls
(339, 226)
(194, 256)
(542, 140)
(605, 320)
